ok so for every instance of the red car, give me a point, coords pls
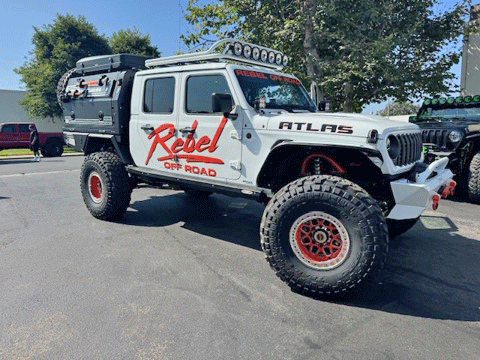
(17, 136)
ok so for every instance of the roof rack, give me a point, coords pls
(227, 49)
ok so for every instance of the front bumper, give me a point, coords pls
(413, 197)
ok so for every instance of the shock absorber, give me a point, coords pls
(317, 170)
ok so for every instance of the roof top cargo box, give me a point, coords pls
(105, 63)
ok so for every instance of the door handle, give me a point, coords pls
(147, 127)
(186, 130)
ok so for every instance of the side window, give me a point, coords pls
(8, 128)
(200, 90)
(24, 128)
(159, 95)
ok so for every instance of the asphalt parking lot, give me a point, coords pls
(179, 279)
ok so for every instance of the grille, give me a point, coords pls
(435, 136)
(410, 149)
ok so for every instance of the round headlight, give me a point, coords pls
(237, 49)
(393, 147)
(455, 136)
(264, 55)
(271, 57)
(255, 53)
(247, 51)
(278, 59)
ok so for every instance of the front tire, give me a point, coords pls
(474, 179)
(324, 236)
(105, 186)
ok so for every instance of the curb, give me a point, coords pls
(13, 157)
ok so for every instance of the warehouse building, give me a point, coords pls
(12, 111)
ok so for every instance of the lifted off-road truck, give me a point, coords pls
(227, 120)
(451, 128)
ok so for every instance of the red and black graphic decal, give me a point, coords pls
(260, 75)
(185, 148)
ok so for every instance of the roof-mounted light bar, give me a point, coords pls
(228, 49)
(452, 100)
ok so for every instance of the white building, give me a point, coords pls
(470, 81)
(12, 111)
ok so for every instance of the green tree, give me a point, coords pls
(132, 42)
(57, 47)
(399, 108)
(358, 51)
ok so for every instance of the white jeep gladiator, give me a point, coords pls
(227, 120)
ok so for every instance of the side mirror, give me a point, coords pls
(222, 103)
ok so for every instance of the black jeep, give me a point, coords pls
(451, 127)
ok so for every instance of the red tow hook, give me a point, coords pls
(449, 190)
(435, 201)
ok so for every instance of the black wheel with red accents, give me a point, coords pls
(105, 186)
(324, 236)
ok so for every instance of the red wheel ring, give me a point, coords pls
(95, 187)
(319, 240)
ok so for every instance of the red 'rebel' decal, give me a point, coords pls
(188, 146)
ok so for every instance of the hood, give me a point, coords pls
(358, 125)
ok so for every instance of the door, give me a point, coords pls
(24, 135)
(153, 122)
(8, 136)
(208, 144)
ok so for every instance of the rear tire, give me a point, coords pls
(324, 236)
(474, 179)
(53, 148)
(105, 186)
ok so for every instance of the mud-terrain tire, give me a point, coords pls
(324, 236)
(105, 186)
(62, 85)
(197, 194)
(474, 179)
(398, 227)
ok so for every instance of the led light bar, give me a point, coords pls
(227, 49)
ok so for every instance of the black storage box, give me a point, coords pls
(106, 63)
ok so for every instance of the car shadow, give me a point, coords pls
(431, 272)
(231, 219)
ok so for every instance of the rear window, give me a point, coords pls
(159, 95)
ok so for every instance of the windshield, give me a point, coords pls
(280, 92)
(447, 114)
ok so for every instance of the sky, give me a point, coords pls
(161, 19)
